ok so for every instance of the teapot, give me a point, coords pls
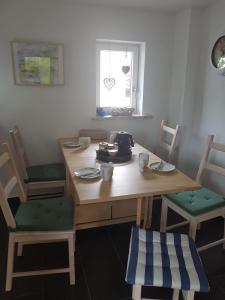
(125, 142)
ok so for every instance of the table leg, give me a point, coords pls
(148, 212)
(139, 209)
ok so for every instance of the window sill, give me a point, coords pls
(123, 117)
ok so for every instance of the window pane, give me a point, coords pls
(111, 63)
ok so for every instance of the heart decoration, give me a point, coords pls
(125, 69)
(109, 83)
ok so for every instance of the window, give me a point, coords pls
(117, 75)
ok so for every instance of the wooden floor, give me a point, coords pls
(101, 260)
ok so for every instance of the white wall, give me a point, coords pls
(185, 81)
(201, 107)
(211, 105)
(179, 66)
(46, 113)
(210, 108)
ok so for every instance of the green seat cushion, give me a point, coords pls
(197, 202)
(47, 214)
(49, 172)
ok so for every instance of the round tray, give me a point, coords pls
(114, 159)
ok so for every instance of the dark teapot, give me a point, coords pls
(125, 142)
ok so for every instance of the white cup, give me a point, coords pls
(143, 161)
(84, 142)
(106, 170)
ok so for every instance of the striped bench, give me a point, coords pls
(167, 260)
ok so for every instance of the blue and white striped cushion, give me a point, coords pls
(165, 260)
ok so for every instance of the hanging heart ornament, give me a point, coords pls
(109, 83)
(125, 69)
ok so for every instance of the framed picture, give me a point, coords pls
(37, 63)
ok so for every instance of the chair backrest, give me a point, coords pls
(7, 161)
(19, 149)
(94, 134)
(205, 164)
(162, 141)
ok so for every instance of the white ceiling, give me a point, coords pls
(172, 5)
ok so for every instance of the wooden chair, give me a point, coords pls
(169, 147)
(94, 134)
(197, 206)
(40, 221)
(168, 260)
(163, 143)
(39, 176)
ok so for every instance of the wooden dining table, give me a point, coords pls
(127, 182)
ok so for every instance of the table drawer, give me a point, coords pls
(92, 212)
(124, 208)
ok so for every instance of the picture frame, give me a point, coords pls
(37, 63)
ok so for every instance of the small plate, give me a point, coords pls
(71, 145)
(87, 173)
(163, 167)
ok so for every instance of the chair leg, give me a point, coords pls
(19, 249)
(71, 259)
(136, 292)
(193, 229)
(67, 191)
(188, 295)
(176, 293)
(224, 232)
(74, 242)
(10, 262)
(164, 212)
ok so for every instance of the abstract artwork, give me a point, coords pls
(37, 63)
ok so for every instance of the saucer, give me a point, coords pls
(87, 173)
(71, 145)
(162, 167)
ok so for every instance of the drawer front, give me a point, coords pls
(92, 212)
(124, 208)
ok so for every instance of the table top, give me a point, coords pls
(127, 181)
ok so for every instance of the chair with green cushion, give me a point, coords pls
(200, 205)
(39, 221)
(49, 172)
(40, 176)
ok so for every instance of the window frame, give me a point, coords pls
(120, 46)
